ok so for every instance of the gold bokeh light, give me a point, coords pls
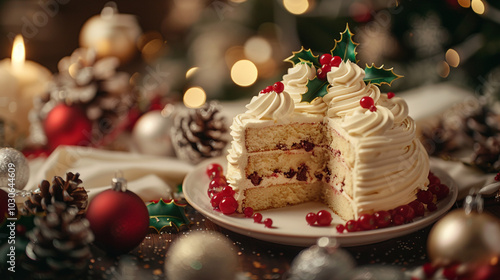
(452, 57)
(296, 7)
(244, 73)
(194, 97)
(478, 7)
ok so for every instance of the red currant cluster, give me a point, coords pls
(278, 87)
(368, 103)
(426, 199)
(323, 218)
(327, 62)
(257, 218)
(220, 193)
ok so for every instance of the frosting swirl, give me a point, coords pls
(270, 106)
(347, 88)
(295, 82)
(397, 105)
(364, 122)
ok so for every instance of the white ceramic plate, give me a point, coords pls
(289, 224)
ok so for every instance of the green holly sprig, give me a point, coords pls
(345, 48)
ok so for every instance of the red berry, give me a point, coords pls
(248, 212)
(410, 215)
(215, 200)
(497, 177)
(326, 68)
(324, 218)
(351, 226)
(366, 222)
(382, 218)
(433, 179)
(257, 217)
(450, 272)
(268, 223)
(218, 182)
(340, 228)
(325, 59)
(311, 218)
(373, 108)
(335, 61)
(425, 197)
(321, 74)
(440, 190)
(227, 191)
(267, 89)
(431, 207)
(278, 87)
(366, 102)
(214, 170)
(228, 205)
(398, 219)
(390, 94)
(418, 207)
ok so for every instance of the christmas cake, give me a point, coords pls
(326, 133)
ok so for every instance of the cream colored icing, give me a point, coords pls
(295, 82)
(270, 106)
(346, 89)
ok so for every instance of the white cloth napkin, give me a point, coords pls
(149, 177)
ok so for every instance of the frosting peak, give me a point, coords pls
(270, 106)
(365, 122)
(347, 88)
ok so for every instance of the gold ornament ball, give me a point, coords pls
(14, 168)
(201, 256)
(464, 238)
(111, 34)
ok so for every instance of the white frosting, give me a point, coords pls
(389, 165)
(295, 82)
(270, 106)
(347, 88)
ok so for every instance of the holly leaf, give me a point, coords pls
(303, 55)
(315, 88)
(167, 214)
(345, 47)
(379, 75)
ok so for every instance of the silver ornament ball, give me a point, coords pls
(151, 133)
(201, 256)
(323, 261)
(14, 169)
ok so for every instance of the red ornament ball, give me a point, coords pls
(119, 220)
(67, 125)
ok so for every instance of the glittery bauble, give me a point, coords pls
(13, 163)
(323, 261)
(201, 256)
(67, 125)
(119, 220)
(151, 134)
(463, 238)
(111, 34)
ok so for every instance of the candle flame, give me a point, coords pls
(18, 54)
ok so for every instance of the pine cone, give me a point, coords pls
(59, 243)
(201, 133)
(67, 191)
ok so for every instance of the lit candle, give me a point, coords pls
(21, 81)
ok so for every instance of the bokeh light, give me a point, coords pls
(194, 97)
(464, 3)
(443, 69)
(452, 58)
(296, 7)
(244, 73)
(191, 72)
(258, 49)
(478, 7)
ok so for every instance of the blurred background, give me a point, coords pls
(198, 50)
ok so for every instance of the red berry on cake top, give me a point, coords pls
(325, 59)
(335, 61)
(278, 87)
(368, 103)
(390, 94)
